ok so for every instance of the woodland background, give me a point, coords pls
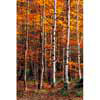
(49, 43)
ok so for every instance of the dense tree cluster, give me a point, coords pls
(38, 46)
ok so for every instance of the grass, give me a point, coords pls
(42, 91)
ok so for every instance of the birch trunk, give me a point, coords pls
(54, 45)
(68, 40)
(78, 42)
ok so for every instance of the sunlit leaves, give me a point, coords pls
(33, 16)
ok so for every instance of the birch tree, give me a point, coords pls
(54, 45)
(67, 46)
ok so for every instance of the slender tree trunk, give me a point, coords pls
(78, 42)
(40, 59)
(70, 55)
(41, 55)
(63, 60)
(67, 47)
(43, 41)
(51, 49)
(33, 70)
(25, 78)
(54, 45)
(37, 75)
(27, 23)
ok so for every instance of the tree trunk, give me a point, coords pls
(42, 34)
(45, 41)
(63, 60)
(67, 47)
(51, 49)
(27, 23)
(54, 45)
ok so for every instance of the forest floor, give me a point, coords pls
(49, 93)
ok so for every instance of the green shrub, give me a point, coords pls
(79, 84)
(79, 93)
(63, 92)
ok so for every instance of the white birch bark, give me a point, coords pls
(68, 40)
(54, 45)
